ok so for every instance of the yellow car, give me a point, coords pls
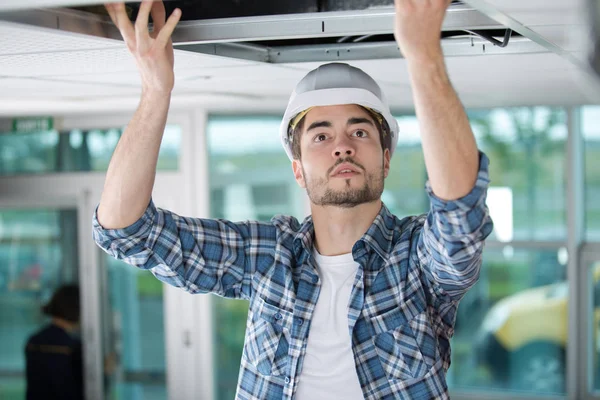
(523, 337)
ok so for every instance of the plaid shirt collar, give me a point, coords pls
(378, 237)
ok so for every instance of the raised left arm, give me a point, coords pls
(451, 155)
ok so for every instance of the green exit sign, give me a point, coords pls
(30, 125)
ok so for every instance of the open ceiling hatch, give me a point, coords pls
(291, 31)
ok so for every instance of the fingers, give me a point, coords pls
(159, 16)
(141, 23)
(165, 33)
(111, 12)
(119, 17)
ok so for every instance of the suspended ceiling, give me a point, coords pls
(83, 64)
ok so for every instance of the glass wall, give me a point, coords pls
(250, 178)
(593, 310)
(590, 126)
(74, 150)
(511, 328)
(517, 312)
(134, 333)
(404, 192)
(38, 253)
(527, 150)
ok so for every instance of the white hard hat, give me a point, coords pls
(334, 84)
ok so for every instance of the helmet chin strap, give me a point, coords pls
(298, 117)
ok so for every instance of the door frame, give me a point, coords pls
(86, 273)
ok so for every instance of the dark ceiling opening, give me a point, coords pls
(193, 10)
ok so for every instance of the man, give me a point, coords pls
(353, 303)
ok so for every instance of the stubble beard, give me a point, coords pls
(321, 194)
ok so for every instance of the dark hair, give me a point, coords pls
(385, 136)
(64, 303)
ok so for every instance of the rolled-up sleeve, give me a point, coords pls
(452, 239)
(197, 255)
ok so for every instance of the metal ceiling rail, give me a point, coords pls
(243, 29)
(308, 25)
(454, 47)
(492, 12)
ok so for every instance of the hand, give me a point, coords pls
(418, 27)
(153, 52)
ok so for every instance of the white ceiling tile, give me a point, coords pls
(125, 78)
(560, 35)
(97, 61)
(539, 12)
(20, 88)
(67, 63)
(24, 39)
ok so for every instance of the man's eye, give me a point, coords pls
(360, 133)
(320, 138)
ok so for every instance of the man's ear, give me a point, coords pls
(386, 162)
(297, 168)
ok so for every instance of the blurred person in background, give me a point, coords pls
(54, 363)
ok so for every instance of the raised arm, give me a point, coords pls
(451, 155)
(450, 244)
(132, 169)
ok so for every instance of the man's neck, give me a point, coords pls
(337, 229)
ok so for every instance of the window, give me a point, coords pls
(404, 192)
(511, 327)
(74, 151)
(134, 330)
(590, 124)
(250, 179)
(527, 149)
(594, 313)
(516, 314)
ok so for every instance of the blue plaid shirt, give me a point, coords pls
(412, 273)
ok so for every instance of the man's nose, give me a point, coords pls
(343, 148)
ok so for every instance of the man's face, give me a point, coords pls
(342, 163)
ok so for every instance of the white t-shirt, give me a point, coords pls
(329, 371)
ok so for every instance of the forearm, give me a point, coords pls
(451, 155)
(453, 235)
(132, 169)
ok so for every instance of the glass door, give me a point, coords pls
(38, 253)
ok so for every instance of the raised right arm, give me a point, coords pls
(130, 176)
